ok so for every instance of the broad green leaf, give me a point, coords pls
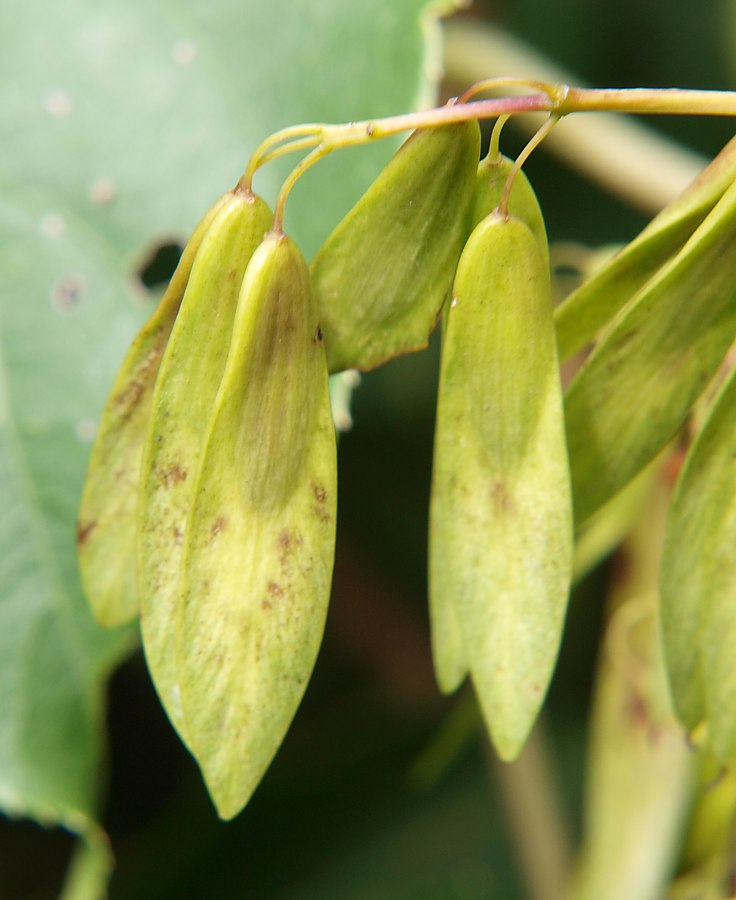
(637, 387)
(188, 381)
(108, 515)
(698, 581)
(122, 121)
(260, 539)
(582, 315)
(53, 658)
(381, 277)
(500, 518)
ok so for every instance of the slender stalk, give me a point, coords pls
(557, 99)
(653, 101)
(536, 819)
(522, 158)
(318, 153)
(625, 157)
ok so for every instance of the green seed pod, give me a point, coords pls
(260, 539)
(381, 277)
(108, 511)
(698, 581)
(636, 388)
(582, 315)
(500, 517)
(493, 173)
(185, 391)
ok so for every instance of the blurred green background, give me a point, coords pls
(383, 790)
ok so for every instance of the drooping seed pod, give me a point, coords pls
(381, 277)
(108, 511)
(636, 388)
(185, 392)
(259, 547)
(698, 581)
(500, 517)
(451, 666)
(580, 317)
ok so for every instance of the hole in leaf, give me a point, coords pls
(160, 264)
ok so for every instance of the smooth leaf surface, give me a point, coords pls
(638, 385)
(257, 565)
(122, 122)
(53, 658)
(698, 586)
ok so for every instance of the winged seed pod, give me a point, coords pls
(260, 542)
(106, 534)
(187, 384)
(381, 277)
(500, 516)
(698, 581)
(636, 388)
(582, 315)
(493, 172)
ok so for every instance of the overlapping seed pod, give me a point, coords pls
(698, 581)
(186, 387)
(493, 172)
(500, 518)
(381, 277)
(258, 552)
(582, 315)
(636, 388)
(108, 511)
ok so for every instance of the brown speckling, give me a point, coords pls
(321, 513)
(318, 337)
(84, 531)
(173, 474)
(219, 526)
(275, 590)
(178, 536)
(500, 496)
(284, 540)
(67, 292)
(266, 604)
(320, 494)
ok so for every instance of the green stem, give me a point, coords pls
(625, 157)
(556, 99)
